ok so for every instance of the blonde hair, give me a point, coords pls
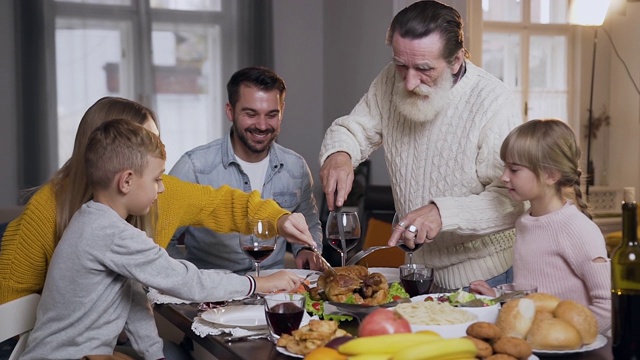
(69, 184)
(118, 145)
(546, 146)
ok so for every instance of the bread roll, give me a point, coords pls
(541, 315)
(544, 302)
(580, 317)
(554, 334)
(515, 317)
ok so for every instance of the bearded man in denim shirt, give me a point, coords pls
(249, 159)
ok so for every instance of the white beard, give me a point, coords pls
(424, 103)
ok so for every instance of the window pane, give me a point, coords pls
(548, 77)
(88, 56)
(549, 11)
(192, 5)
(501, 58)
(101, 2)
(502, 10)
(188, 87)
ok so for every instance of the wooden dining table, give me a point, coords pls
(181, 316)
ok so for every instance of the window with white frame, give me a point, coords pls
(170, 55)
(525, 43)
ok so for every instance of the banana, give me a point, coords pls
(444, 349)
(385, 344)
(370, 357)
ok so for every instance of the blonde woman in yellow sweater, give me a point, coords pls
(29, 240)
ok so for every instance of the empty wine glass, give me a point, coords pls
(259, 246)
(394, 225)
(347, 223)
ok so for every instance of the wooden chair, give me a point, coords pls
(18, 318)
(378, 233)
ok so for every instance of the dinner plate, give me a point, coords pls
(600, 342)
(243, 316)
(283, 350)
(391, 273)
(485, 313)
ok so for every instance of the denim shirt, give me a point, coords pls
(288, 181)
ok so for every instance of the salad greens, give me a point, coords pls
(459, 297)
(396, 291)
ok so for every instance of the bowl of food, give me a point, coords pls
(442, 318)
(483, 306)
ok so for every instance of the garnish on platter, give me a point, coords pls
(351, 285)
(462, 298)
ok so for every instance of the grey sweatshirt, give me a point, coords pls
(93, 288)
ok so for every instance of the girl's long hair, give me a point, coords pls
(69, 184)
(548, 145)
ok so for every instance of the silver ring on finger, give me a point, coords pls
(402, 224)
(412, 229)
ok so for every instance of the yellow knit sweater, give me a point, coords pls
(28, 242)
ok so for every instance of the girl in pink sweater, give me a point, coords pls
(558, 247)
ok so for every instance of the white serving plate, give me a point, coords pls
(486, 313)
(597, 344)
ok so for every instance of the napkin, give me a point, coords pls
(156, 297)
(202, 328)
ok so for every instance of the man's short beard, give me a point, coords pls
(254, 148)
(424, 103)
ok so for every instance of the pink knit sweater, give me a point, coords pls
(556, 252)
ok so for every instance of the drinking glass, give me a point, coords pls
(396, 219)
(348, 223)
(284, 313)
(416, 279)
(258, 246)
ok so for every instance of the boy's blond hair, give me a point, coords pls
(119, 145)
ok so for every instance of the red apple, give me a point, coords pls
(383, 321)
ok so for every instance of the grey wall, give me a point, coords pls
(8, 125)
(328, 52)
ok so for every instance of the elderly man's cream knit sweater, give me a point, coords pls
(452, 161)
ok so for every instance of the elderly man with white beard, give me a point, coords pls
(441, 121)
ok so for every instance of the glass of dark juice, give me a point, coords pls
(416, 279)
(258, 246)
(284, 313)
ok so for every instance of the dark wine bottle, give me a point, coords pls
(625, 285)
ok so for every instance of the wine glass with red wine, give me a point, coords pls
(396, 219)
(347, 224)
(258, 246)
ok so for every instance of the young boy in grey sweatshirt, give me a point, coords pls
(93, 288)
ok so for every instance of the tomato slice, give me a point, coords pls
(316, 306)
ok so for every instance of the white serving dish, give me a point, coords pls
(486, 313)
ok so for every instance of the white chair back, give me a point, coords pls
(18, 318)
